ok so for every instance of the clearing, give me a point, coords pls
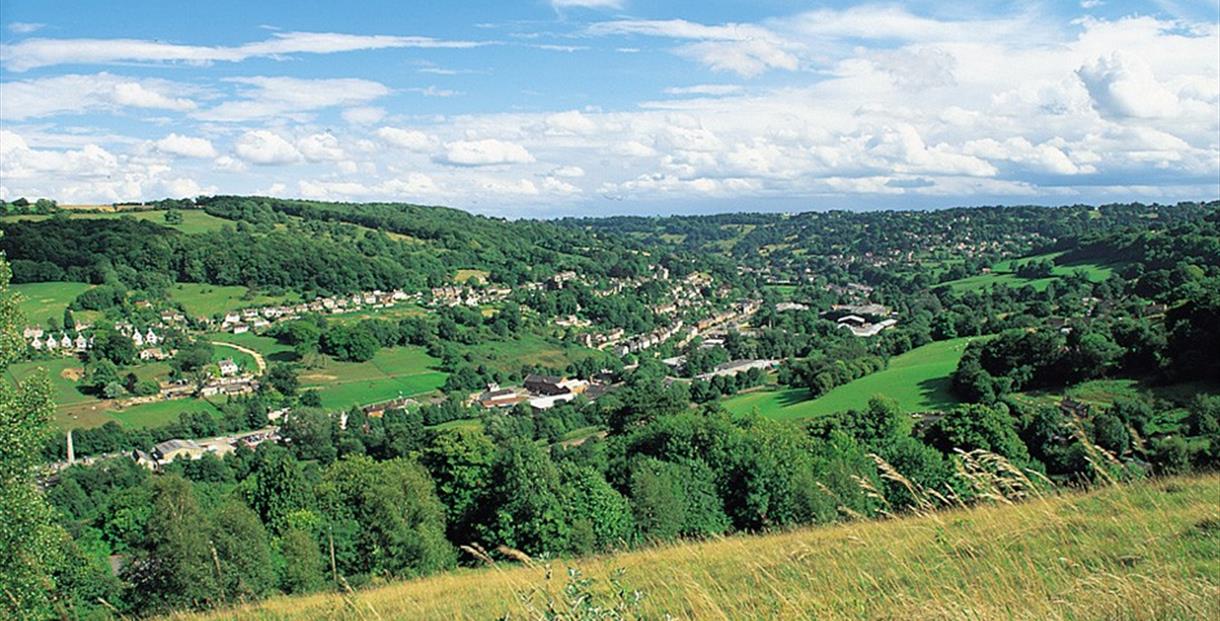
(41, 301)
(918, 380)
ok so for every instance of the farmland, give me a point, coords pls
(918, 380)
(392, 373)
(193, 220)
(41, 301)
(1004, 274)
(207, 300)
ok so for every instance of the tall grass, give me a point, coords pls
(1146, 550)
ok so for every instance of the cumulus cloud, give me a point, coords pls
(185, 146)
(263, 97)
(1124, 85)
(745, 49)
(322, 147)
(363, 115)
(486, 152)
(24, 27)
(76, 94)
(35, 53)
(704, 89)
(588, 4)
(410, 139)
(265, 148)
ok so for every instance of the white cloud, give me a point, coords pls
(435, 91)
(484, 152)
(76, 94)
(745, 49)
(24, 27)
(1044, 157)
(570, 172)
(186, 146)
(569, 123)
(588, 4)
(275, 96)
(410, 139)
(704, 89)
(35, 53)
(322, 147)
(363, 115)
(265, 148)
(1123, 85)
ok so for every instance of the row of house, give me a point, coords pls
(260, 318)
(455, 295)
(64, 343)
(733, 367)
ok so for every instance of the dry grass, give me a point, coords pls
(1149, 550)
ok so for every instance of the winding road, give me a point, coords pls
(258, 358)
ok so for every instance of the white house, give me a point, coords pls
(228, 367)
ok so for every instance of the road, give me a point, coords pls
(258, 358)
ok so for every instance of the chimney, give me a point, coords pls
(71, 451)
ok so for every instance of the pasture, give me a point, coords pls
(918, 380)
(1004, 274)
(200, 300)
(529, 350)
(464, 275)
(193, 220)
(392, 373)
(41, 301)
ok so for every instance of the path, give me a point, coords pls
(258, 358)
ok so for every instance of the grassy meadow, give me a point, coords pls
(193, 220)
(918, 380)
(1004, 274)
(1147, 550)
(202, 300)
(46, 300)
(392, 373)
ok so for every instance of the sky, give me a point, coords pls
(543, 108)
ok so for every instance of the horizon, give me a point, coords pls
(587, 108)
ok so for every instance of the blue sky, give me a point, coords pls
(590, 107)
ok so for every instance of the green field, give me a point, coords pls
(529, 350)
(1004, 274)
(918, 380)
(63, 373)
(46, 300)
(466, 274)
(208, 300)
(270, 348)
(193, 220)
(392, 373)
(161, 412)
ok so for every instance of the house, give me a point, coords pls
(52, 343)
(241, 328)
(544, 384)
(496, 397)
(137, 339)
(231, 318)
(36, 343)
(81, 342)
(32, 332)
(151, 338)
(546, 403)
(738, 366)
(168, 451)
(65, 341)
(153, 353)
(227, 367)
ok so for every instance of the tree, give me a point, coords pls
(310, 434)
(1110, 433)
(675, 500)
(280, 488)
(29, 540)
(600, 516)
(243, 554)
(971, 427)
(302, 570)
(385, 517)
(524, 507)
(174, 566)
(173, 216)
(460, 460)
(283, 377)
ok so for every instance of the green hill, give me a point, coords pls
(1149, 550)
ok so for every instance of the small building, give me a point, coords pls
(548, 402)
(500, 398)
(227, 367)
(170, 450)
(544, 384)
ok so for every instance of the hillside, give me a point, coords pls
(1149, 550)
